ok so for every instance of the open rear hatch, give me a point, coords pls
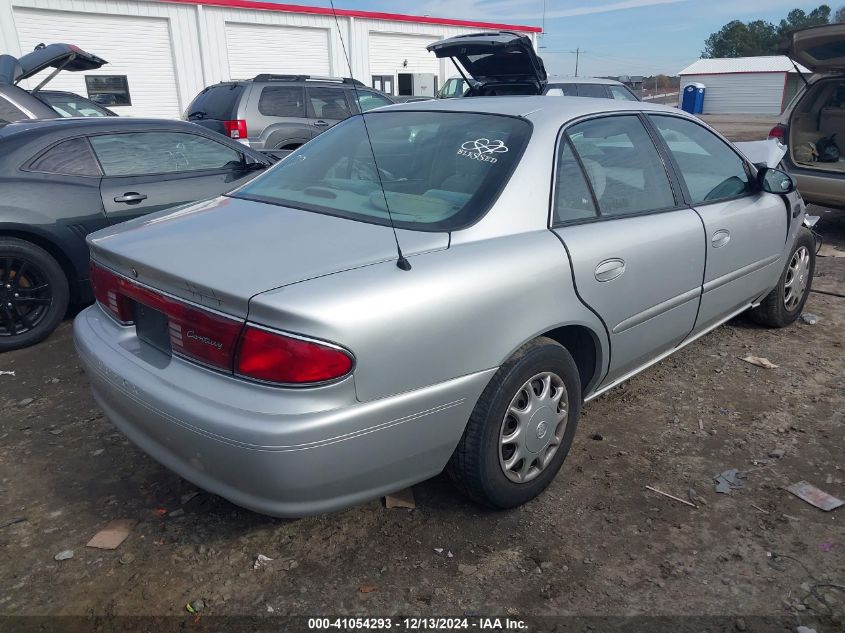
(501, 62)
(57, 56)
(819, 48)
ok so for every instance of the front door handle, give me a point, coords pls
(131, 197)
(610, 269)
(321, 124)
(720, 238)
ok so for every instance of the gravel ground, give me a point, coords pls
(596, 543)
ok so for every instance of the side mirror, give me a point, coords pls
(775, 181)
(251, 164)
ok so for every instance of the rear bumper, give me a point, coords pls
(281, 452)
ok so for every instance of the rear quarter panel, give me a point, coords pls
(456, 312)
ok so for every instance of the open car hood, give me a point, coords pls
(819, 48)
(501, 57)
(59, 56)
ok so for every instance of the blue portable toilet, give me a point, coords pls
(699, 98)
(692, 99)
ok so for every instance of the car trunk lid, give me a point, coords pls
(497, 57)
(819, 48)
(58, 56)
(220, 253)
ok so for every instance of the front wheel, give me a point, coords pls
(521, 428)
(783, 304)
(33, 294)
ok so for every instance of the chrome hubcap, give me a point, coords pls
(533, 427)
(797, 278)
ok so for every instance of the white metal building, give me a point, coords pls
(161, 53)
(744, 85)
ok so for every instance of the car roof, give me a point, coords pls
(535, 108)
(564, 79)
(91, 124)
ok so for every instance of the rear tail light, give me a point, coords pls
(275, 357)
(235, 129)
(778, 132)
(224, 342)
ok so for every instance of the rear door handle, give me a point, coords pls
(131, 197)
(610, 269)
(321, 124)
(720, 238)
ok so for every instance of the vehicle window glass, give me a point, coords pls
(563, 90)
(592, 90)
(216, 102)
(440, 170)
(73, 158)
(621, 92)
(10, 113)
(328, 103)
(370, 100)
(573, 200)
(68, 105)
(711, 170)
(282, 101)
(622, 163)
(141, 153)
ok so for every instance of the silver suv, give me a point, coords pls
(813, 124)
(271, 112)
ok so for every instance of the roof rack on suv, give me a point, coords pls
(271, 77)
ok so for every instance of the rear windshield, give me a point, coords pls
(68, 105)
(216, 102)
(441, 171)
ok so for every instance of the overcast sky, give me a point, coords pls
(634, 37)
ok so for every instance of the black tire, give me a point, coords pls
(475, 466)
(33, 294)
(773, 310)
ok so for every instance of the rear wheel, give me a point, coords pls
(521, 428)
(33, 294)
(783, 304)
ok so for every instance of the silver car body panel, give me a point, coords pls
(426, 341)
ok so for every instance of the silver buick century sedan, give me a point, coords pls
(437, 285)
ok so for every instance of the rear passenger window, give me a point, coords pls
(624, 168)
(592, 90)
(282, 101)
(10, 113)
(711, 170)
(573, 200)
(72, 158)
(328, 103)
(620, 92)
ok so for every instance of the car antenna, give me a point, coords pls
(402, 263)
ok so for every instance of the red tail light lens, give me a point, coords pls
(109, 290)
(235, 129)
(778, 132)
(195, 333)
(212, 339)
(276, 357)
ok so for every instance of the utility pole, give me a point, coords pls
(577, 56)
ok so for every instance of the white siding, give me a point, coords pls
(741, 93)
(170, 51)
(264, 48)
(389, 53)
(138, 47)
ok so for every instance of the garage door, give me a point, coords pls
(390, 51)
(264, 48)
(136, 47)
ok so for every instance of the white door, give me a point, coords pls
(280, 50)
(135, 47)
